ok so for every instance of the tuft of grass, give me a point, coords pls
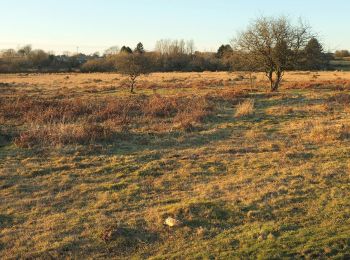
(245, 109)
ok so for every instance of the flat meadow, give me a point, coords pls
(88, 170)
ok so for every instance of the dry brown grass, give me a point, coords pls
(245, 109)
(63, 134)
(96, 171)
(52, 121)
(340, 98)
(196, 111)
(312, 109)
(321, 132)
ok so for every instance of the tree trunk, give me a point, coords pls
(275, 85)
(132, 87)
(270, 76)
(132, 84)
(251, 81)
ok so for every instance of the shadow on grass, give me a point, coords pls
(5, 139)
(138, 142)
(5, 221)
(207, 214)
(123, 240)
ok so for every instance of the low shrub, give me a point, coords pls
(63, 134)
(60, 121)
(158, 106)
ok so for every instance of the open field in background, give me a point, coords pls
(89, 170)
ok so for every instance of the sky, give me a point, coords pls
(95, 25)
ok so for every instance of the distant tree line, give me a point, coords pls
(342, 54)
(26, 59)
(174, 55)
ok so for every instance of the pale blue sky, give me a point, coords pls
(61, 25)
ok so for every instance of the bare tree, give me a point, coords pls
(25, 50)
(190, 47)
(274, 45)
(242, 61)
(175, 47)
(132, 65)
(162, 46)
(112, 51)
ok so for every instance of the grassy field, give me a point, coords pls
(88, 170)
